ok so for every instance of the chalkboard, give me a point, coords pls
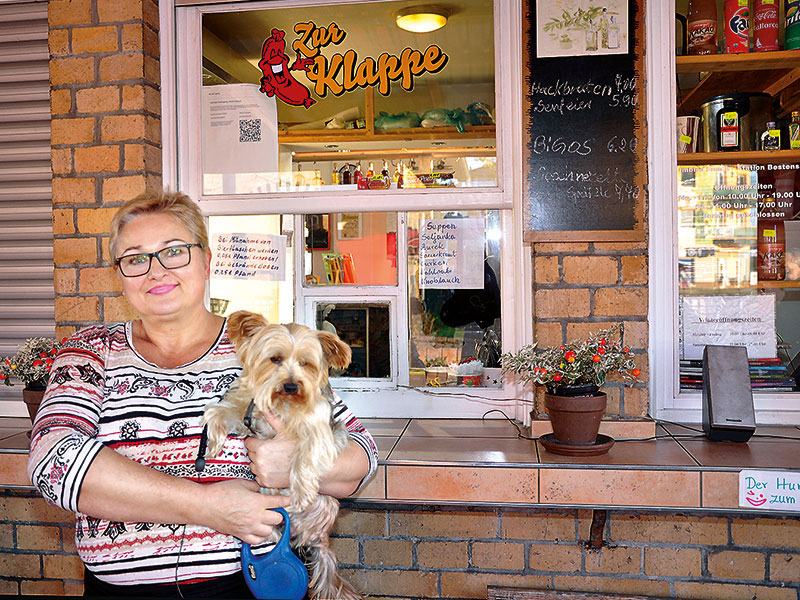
(584, 139)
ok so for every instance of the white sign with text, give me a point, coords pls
(451, 254)
(729, 321)
(249, 256)
(770, 490)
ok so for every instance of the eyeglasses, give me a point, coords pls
(171, 257)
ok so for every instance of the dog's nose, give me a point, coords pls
(290, 388)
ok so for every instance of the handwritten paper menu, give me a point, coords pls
(451, 254)
(249, 256)
(770, 490)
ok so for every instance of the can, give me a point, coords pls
(737, 26)
(792, 11)
(765, 25)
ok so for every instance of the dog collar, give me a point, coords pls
(248, 416)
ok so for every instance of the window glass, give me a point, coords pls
(350, 249)
(454, 296)
(340, 98)
(365, 327)
(739, 269)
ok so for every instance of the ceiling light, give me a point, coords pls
(421, 19)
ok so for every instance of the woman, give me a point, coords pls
(117, 436)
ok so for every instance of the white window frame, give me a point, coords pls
(180, 74)
(666, 400)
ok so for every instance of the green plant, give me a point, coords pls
(435, 362)
(580, 19)
(32, 362)
(578, 362)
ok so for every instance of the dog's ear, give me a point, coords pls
(337, 353)
(243, 324)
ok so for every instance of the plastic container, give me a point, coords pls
(765, 26)
(702, 27)
(737, 26)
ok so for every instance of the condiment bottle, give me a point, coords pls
(702, 27)
(771, 138)
(794, 131)
(335, 180)
(728, 138)
(765, 25)
(792, 32)
(370, 171)
(771, 250)
(737, 26)
(299, 181)
(357, 174)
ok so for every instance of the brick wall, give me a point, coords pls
(580, 288)
(105, 143)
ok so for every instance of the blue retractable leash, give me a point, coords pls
(279, 574)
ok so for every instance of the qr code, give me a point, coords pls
(249, 130)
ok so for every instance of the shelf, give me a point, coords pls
(750, 61)
(716, 286)
(394, 153)
(739, 158)
(363, 135)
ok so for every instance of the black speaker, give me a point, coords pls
(728, 413)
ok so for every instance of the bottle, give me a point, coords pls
(794, 131)
(299, 181)
(765, 25)
(335, 179)
(387, 181)
(771, 248)
(771, 138)
(737, 26)
(604, 28)
(792, 32)
(357, 174)
(702, 27)
(400, 176)
(728, 138)
(613, 34)
(346, 175)
(370, 171)
(317, 181)
(591, 37)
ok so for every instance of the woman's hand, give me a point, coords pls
(237, 507)
(270, 459)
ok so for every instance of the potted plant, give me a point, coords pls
(31, 365)
(436, 372)
(487, 350)
(572, 375)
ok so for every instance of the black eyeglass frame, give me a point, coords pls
(155, 254)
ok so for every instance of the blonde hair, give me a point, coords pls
(175, 204)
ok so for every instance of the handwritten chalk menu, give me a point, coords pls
(584, 143)
(249, 256)
(770, 490)
(451, 254)
(728, 321)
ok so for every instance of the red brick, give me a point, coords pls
(58, 42)
(620, 301)
(345, 549)
(561, 303)
(123, 127)
(71, 70)
(590, 269)
(121, 66)
(73, 190)
(63, 567)
(20, 565)
(97, 159)
(95, 220)
(74, 250)
(98, 99)
(360, 523)
(38, 537)
(69, 12)
(94, 39)
(545, 269)
(60, 102)
(65, 281)
(636, 401)
(547, 334)
(95, 280)
(120, 189)
(112, 11)
(634, 269)
(61, 160)
(71, 131)
(77, 308)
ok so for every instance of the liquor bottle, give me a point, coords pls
(613, 34)
(299, 180)
(702, 27)
(728, 134)
(400, 170)
(604, 29)
(370, 171)
(387, 181)
(317, 181)
(771, 248)
(794, 131)
(335, 179)
(346, 175)
(765, 25)
(357, 174)
(591, 37)
(737, 26)
(792, 31)
(771, 138)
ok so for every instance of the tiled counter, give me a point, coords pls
(485, 462)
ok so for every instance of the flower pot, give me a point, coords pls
(493, 377)
(470, 380)
(32, 399)
(436, 376)
(575, 419)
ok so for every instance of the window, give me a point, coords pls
(334, 192)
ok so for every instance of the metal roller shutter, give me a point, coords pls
(26, 227)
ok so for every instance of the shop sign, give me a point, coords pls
(249, 256)
(340, 72)
(770, 490)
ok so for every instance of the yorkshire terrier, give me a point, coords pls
(286, 373)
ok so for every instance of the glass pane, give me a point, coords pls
(339, 97)
(738, 269)
(350, 249)
(365, 328)
(252, 265)
(454, 297)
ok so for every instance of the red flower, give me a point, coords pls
(570, 356)
(626, 350)
(601, 350)
(43, 355)
(557, 377)
(49, 361)
(603, 342)
(37, 363)
(635, 372)
(53, 351)
(596, 358)
(2, 377)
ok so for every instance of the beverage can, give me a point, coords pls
(792, 11)
(737, 26)
(765, 25)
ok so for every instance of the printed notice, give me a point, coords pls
(770, 490)
(249, 256)
(728, 321)
(451, 254)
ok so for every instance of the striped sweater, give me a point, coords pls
(103, 393)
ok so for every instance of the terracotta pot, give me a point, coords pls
(575, 419)
(32, 399)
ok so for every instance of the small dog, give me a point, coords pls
(286, 373)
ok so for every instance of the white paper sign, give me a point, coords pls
(249, 256)
(451, 253)
(770, 490)
(729, 321)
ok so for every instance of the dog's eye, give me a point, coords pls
(303, 363)
(277, 359)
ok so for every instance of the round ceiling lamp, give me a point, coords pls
(421, 19)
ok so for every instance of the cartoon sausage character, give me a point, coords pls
(277, 79)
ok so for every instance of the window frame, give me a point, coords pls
(181, 73)
(666, 399)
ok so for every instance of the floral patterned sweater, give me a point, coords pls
(103, 393)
